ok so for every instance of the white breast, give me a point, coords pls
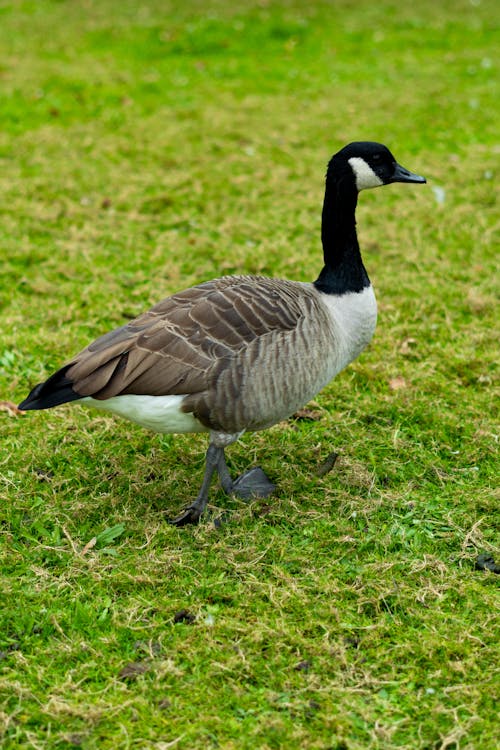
(354, 318)
(157, 413)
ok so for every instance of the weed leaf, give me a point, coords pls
(109, 535)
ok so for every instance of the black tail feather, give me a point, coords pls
(58, 389)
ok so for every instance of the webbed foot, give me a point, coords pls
(253, 483)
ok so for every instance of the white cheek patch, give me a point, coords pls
(364, 174)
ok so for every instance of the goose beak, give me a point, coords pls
(401, 174)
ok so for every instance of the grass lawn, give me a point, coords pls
(145, 147)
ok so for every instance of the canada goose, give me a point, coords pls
(239, 353)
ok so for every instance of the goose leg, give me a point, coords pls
(253, 483)
(193, 512)
(223, 472)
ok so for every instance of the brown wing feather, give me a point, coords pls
(185, 341)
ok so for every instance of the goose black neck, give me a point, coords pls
(343, 270)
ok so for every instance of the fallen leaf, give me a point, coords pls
(184, 615)
(407, 345)
(327, 465)
(43, 475)
(303, 666)
(76, 739)
(89, 545)
(478, 301)
(397, 383)
(352, 641)
(311, 709)
(11, 409)
(132, 670)
(307, 415)
(164, 704)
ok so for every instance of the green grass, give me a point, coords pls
(145, 147)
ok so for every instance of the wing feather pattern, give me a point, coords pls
(185, 343)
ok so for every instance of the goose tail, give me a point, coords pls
(58, 389)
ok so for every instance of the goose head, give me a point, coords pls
(367, 164)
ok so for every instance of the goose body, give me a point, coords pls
(246, 378)
(239, 353)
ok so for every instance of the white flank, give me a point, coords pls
(354, 318)
(364, 174)
(157, 413)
